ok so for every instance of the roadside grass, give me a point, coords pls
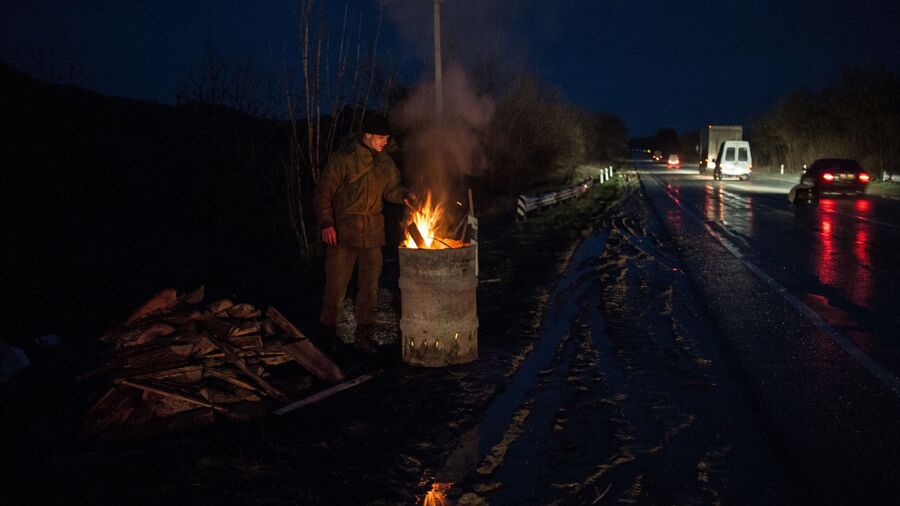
(886, 189)
(565, 221)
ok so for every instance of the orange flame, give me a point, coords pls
(427, 218)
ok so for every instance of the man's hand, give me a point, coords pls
(329, 236)
(411, 201)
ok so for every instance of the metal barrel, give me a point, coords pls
(439, 321)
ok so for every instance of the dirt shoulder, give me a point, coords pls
(380, 443)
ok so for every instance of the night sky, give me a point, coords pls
(654, 63)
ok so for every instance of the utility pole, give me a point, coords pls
(438, 78)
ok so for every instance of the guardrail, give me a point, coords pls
(528, 203)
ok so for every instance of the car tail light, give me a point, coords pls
(863, 177)
(828, 176)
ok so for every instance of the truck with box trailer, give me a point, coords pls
(711, 138)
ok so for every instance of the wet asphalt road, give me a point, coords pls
(627, 396)
(840, 257)
(708, 343)
(805, 301)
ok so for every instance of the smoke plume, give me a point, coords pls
(439, 150)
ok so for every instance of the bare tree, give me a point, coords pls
(338, 76)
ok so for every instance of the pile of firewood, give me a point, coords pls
(177, 364)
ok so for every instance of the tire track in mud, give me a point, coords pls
(624, 398)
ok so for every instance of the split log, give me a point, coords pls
(413, 232)
(159, 303)
(233, 357)
(182, 350)
(183, 317)
(137, 334)
(192, 298)
(244, 311)
(251, 341)
(219, 306)
(203, 346)
(162, 406)
(231, 396)
(245, 328)
(148, 334)
(273, 359)
(164, 302)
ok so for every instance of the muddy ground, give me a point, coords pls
(599, 380)
(380, 443)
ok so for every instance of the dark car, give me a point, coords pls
(835, 176)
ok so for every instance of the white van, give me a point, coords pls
(734, 160)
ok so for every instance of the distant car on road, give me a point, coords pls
(674, 162)
(836, 176)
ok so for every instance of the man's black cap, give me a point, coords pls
(376, 124)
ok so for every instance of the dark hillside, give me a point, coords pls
(107, 200)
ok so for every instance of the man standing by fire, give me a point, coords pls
(348, 201)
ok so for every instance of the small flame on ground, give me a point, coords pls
(437, 496)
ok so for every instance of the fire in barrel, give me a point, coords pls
(439, 323)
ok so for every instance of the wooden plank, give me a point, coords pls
(324, 394)
(229, 376)
(184, 374)
(313, 360)
(305, 352)
(171, 394)
(285, 325)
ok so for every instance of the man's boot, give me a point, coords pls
(364, 338)
(328, 339)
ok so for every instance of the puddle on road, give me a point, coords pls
(498, 428)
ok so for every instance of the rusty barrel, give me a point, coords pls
(439, 322)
